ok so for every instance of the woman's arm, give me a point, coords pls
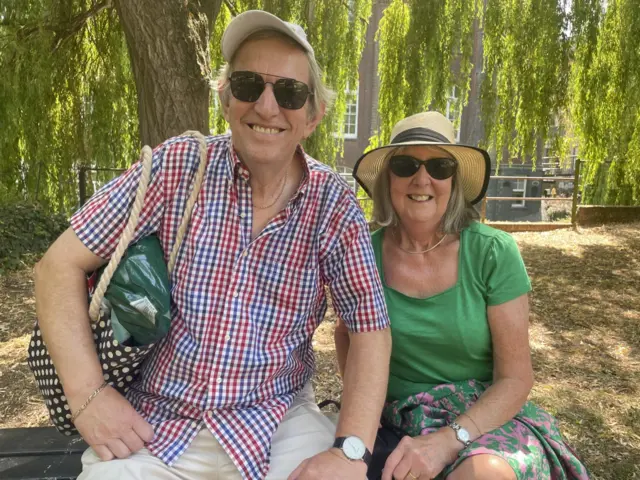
(342, 341)
(429, 454)
(512, 370)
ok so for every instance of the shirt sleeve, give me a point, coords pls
(505, 275)
(350, 270)
(100, 222)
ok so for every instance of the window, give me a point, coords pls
(346, 174)
(453, 113)
(350, 7)
(351, 115)
(519, 190)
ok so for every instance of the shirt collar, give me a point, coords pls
(238, 169)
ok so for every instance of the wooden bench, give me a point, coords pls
(39, 453)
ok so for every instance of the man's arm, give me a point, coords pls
(342, 340)
(109, 423)
(365, 388)
(62, 309)
(365, 385)
(362, 335)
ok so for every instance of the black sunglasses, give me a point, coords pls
(407, 166)
(248, 86)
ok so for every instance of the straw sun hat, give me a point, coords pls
(429, 128)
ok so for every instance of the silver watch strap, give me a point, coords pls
(456, 428)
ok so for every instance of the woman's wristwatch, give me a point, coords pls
(461, 434)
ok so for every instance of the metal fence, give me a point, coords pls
(85, 176)
(574, 200)
(84, 179)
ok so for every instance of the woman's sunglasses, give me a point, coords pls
(248, 86)
(407, 166)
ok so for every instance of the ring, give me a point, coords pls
(412, 476)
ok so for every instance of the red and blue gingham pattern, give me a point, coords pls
(244, 311)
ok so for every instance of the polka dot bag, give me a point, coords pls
(120, 363)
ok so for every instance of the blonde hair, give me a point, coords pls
(320, 93)
(458, 215)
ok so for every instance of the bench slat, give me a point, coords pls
(39, 453)
(41, 467)
(15, 442)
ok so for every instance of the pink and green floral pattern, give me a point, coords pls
(531, 442)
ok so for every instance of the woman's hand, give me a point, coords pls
(422, 457)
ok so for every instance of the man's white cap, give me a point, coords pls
(253, 21)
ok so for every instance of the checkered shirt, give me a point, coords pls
(243, 311)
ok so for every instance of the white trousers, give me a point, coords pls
(303, 433)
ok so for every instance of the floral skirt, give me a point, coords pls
(531, 442)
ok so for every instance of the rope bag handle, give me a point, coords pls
(130, 228)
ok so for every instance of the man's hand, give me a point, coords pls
(422, 457)
(330, 464)
(110, 425)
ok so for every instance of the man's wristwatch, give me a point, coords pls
(461, 434)
(353, 448)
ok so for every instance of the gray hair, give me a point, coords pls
(320, 93)
(458, 215)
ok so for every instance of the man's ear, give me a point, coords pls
(312, 122)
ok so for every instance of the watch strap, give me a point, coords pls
(456, 428)
(366, 457)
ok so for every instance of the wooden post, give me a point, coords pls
(576, 186)
(483, 210)
(82, 185)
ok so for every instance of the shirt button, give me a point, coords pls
(242, 215)
(227, 337)
(245, 253)
(235, 294)
(219, 380)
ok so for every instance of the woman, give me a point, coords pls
(457, 294)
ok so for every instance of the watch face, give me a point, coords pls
(353, 448)
(463, 435)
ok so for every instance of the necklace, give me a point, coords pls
(284, 182)
(421, 251)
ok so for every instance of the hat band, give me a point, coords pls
(419, 134)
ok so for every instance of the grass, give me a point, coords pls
(585, 343)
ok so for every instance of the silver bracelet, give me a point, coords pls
(88, 401)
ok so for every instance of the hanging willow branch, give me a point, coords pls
(231, 7)
(606, 100)
(526, 70)
(425, 49)
(62, 31)
(80, 106)
(541, 64)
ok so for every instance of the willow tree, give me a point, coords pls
(606, 100)
(420, 41)
(426, 48)
(555, 72)
(526, 73)
(86, 82)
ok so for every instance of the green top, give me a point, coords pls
(445, 338)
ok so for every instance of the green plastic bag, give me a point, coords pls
(139, 295)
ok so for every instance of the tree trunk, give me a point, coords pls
(168, 42)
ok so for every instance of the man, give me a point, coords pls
(223, 395)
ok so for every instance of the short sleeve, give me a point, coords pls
(504, 272)
(100, 222)
(350, 270)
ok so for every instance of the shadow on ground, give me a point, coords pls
(585, 339)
